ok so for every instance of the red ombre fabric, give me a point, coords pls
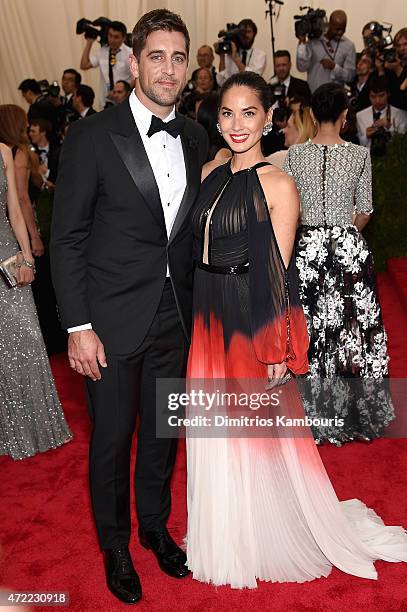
(260, 508)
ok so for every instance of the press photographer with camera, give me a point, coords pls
(325, 57)
(399, 69)
(39, 105)
(284, 85)
(236, 51)
(378, 122)
(71, 79)
(359, 89)
(112, 58)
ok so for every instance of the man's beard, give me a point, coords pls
(157, 97)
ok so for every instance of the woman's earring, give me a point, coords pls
(219, 130)
(267, 129)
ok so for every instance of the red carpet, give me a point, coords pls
(49, 542)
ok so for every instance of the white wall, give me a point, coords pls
(38, 37)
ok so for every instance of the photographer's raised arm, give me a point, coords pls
(304, 55)
(85, 59)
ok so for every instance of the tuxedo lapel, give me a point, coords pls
(131, 149)
(190, 150)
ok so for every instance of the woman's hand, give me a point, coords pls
(37, 246)
(25, 275)
(275, 372)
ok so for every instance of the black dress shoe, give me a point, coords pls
(122, 578)
(170, 557)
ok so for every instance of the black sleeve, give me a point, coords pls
(74, 204)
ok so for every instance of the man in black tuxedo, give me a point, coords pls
(286, 85)
(82, 101)
(122, 269)
(71, 79)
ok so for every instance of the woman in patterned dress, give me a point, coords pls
(348, 354)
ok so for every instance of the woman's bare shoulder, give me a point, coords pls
(279, 187)
(5, 153)
(271, 176)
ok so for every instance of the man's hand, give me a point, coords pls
(234, 54)
(37, 246)
(383, 122)
(328, 63)
(85, 351)
(302, 39)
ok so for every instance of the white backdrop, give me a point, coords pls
(38, 39)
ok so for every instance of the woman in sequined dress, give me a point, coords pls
(348, 353)
(31, 416)
(260, 507)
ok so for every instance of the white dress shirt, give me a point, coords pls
(166, 158)
(365, 119)
(256, 61)
(121, 69)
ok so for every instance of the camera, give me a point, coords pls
(49, 89)
(85, 26)
(379, 41)
(379, 142)
(312, 24)
(231, 34)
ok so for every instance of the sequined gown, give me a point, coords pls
(348, 356)
(260, 508)
(31, 416)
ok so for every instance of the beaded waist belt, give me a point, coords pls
(238, 269)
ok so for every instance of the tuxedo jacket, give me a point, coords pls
(109, 245)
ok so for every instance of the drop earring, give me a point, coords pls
(218, 128)
(267, 129)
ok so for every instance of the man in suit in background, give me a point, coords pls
(71, 79)
(122, 269)
(283, 84)
(83, 100)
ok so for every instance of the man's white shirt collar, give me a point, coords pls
(142, 115)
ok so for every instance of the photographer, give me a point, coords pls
(243, 56)
(331, 57)
(379, 121)
(205, 59)
(40, 107)
(360, 87)
(284, 86)
(112, 59)
(399, 70)
(83, 100)
(121, 91)
(71, 79)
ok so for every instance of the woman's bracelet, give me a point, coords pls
(27, 264)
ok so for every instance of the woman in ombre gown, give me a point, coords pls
(260, 508)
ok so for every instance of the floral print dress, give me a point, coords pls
(348, 357)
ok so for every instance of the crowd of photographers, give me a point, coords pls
(375, 80)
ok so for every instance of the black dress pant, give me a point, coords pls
(128, 389)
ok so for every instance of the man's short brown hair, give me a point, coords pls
(400, 34)
(159, 19)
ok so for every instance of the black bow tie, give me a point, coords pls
(173, 127)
